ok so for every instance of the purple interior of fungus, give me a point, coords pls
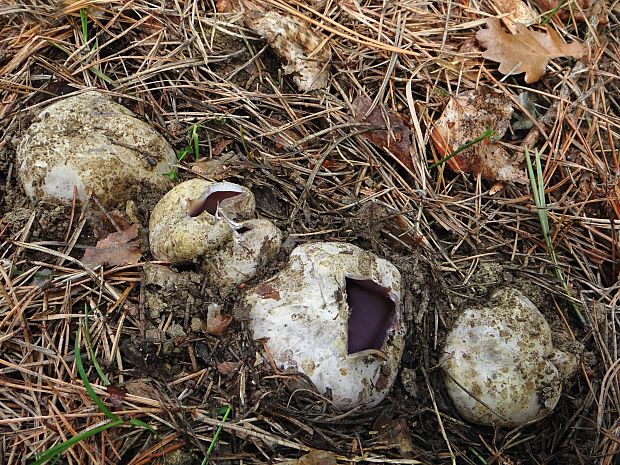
(372, 314)
(210, 202)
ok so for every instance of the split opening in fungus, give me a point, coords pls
(210, 201)
(243, 229)
(371, 314)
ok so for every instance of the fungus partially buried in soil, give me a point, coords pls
(207, 223)
(317, 320)
(500, 365)
(252, 246)
(182, 227)
(90, 143)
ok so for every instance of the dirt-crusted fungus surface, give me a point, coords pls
(499, 362)
(335, 314)
(90, 143)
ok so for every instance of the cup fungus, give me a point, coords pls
(500, 365)
(197, 221)
(182, 227)
(90, 143)
(334, 313)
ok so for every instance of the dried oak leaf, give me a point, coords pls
(400, 144)
(526, 51)
(116, 249)
(305, 53)
(466, 117)
(216, 322)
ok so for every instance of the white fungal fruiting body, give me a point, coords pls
(177, 236)
(304, 314)
(499, 362)
(90, 143)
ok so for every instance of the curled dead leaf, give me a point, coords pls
(117, 249)
(216, 322)
(305, 52)
(397, 141)
(467, 116)
(526, 51)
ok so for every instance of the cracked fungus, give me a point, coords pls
(500, 365)
(212, 224)
(335, 314)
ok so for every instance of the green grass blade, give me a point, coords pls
(538, 194)
(91, 352)
(61, 448)
(84, 19)
(216, 436)
(488, 133)
(196, 142)
(91, 392)
(141, 424)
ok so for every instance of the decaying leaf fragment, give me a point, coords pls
(467, 116)
(314, 457)
(216, 322)
(518, 12)
(526, 51)
(398, 142)
(305, 53)
(117, 249)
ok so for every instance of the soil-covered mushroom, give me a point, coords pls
(334, 314)
(196, 217)
(500, 365)
(90, 143)
(252, 246)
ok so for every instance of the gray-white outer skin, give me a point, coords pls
(94, 144)
(240, 259)
(503, 356)
(303, 313)
(176, 236)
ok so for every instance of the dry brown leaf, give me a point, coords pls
(116, 396)
(518, 12)
(117, 249)
(305, 52)
(467, 116)
(526, 51)
(225, 368)
(400, 144)
(314, 457)
(216, 322)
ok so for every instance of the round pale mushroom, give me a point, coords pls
(196, 218)
(89, 143)
(334, 314)
(500, 365)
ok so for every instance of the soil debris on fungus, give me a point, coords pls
(325, 126)
(338, 319)
(89, 143)
(500, 364)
